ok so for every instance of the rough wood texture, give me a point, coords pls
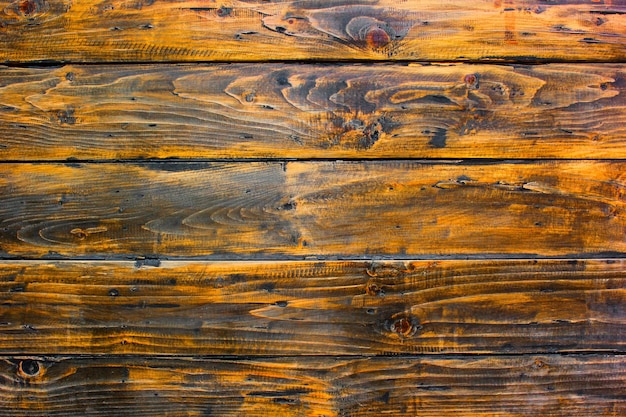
(313, 111)
(128, 280)
(274, 210)
(488, 386)
(313, 308)
(230, 30)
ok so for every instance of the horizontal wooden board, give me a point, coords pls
(487, 386)
(274, 210)
(312, 308)
(231, 30)
(313, 111)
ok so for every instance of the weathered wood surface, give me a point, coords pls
(313, 308)
(271, 210)
(313, 111)
(488, 386)
(231, 30)
(294, 334)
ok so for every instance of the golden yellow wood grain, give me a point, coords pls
(312, 308)
(313, 111)
(533, 385)
(300, 209)
(231, 30)
(256, 316)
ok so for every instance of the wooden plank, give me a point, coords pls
(278, 210)
(231, 30)
(487, 386)
(313, 111)
(312, 308)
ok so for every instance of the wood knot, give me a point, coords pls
(224, 11)
(29, 368)
(471, 81)
(81, 234)
(374, 289)
(66, 116)
(27, 7)
(31, 7)
(249, 97)
(377, 38)
(403, 325)
(377, 28)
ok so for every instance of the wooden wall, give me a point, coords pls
(312, 208)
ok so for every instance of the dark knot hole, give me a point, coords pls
(29, 367)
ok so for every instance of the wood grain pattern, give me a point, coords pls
(485, 387)
(274, 210)
(179, 235)
(313, 111)
(232, 30)
(312, 308)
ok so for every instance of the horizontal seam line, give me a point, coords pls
(165, 161)
(329, 258)
(295, 356)
(492, 61)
